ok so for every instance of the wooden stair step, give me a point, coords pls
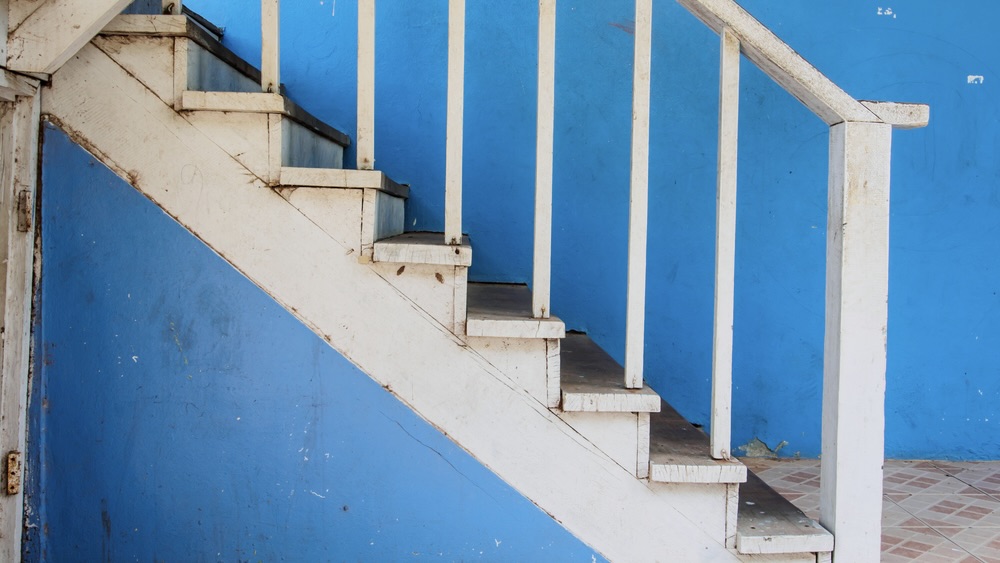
(769, 524)
(260, 102)
(679, 453)
(341, 178)
(423, 248)
(592, 381)
(504, 310)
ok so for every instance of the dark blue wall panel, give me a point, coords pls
(179, 414)
(944, 325)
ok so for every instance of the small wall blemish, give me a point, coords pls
(976, 79)
(757, 448)
(887, 12)
(628, 26)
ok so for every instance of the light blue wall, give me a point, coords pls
(179, 414)
(944, 326)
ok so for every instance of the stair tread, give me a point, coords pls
(423, 248)
(680, 453)
(260, 102)
(592, 381)
(769, 524)
(341, 178)
(504, 310)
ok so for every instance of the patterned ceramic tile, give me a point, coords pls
(932, 511)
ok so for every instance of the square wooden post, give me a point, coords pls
(857, 287)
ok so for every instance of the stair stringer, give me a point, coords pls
(360, 314)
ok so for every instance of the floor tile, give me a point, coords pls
(963, 511)
(981, 542)
(919, 544)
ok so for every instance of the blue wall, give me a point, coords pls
(944, 326)
(179, 414)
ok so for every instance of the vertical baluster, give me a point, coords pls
(270, 57)
(635, 320)
(456, 110)
(725, 246)
(366, 85)
(542, 271)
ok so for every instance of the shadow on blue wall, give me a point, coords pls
(179, 414)
(944, 325)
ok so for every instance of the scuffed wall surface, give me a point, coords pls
(179, 414)
(944, 325)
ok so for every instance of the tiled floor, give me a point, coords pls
(931, 511)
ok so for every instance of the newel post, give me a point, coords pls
(857, 287)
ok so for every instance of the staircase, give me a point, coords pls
(162, 102)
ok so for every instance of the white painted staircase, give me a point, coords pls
(160, 101)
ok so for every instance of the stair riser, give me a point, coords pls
(624, 437)
(340, 211)
(532, 364)
(439, 291)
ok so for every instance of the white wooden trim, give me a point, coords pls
(366, 85)
(725, 248)
(857, 288)
(5, 28)
(19, 181)
(56, 31)
(901, 116)
(780, 62)
(270, 46)
(247, 102)
(455, 126)
(635, 320)
(542, 268)
(144, 24)
(14, 85)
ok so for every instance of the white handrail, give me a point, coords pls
(456, 110)
(635, 318)
(725, 247)
(542, 270)
(270, 52)
(366, 85)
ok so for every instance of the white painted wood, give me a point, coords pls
(270, 46)
(389, 214)
(525, 361)
(19, 145)
(4, 27)
(780, 62)
(901, 116)
(301, 147)
(430, 287)
(461, 301)
(275, 147)
(725, 248)
(181, 57)
(423, 248)
(616, 434)
(56, 31)
(592, 381)
(770, 524)
(366, 85)
(349, 305)
(732, 514)
(337, 178)
(19, 10)
(642, 454)
(504, 310)
(455, 123)
(679, 453)
(553, 380)
(635, 319)
(857, 287)
(248, 102)
(140, 24)
(207, 72)
(335, 212)
(174, 7)
(824, 558)
(150, 59)
(245, 136)
(703, 505)
(541, 280)
(14, 85)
